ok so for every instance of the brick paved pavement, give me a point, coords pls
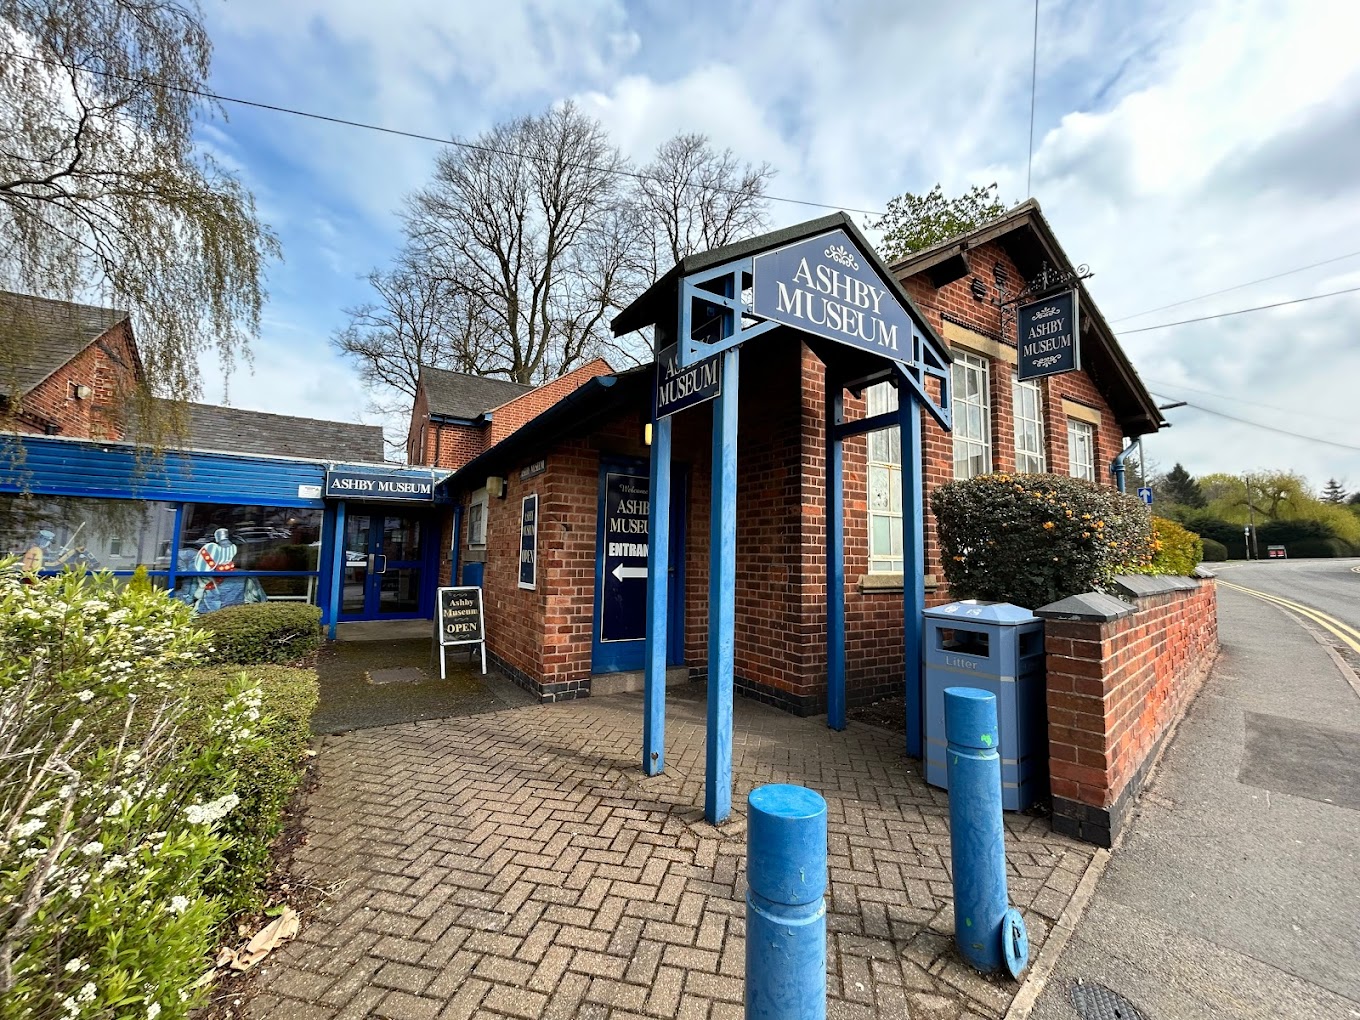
(518, 864)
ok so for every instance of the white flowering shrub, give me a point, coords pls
(112, 814)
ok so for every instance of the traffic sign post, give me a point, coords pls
(1145, 494)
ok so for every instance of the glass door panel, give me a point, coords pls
(354, 597)
(399, 591)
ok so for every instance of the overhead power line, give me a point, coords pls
(1240, 311)
(1270, 428)
(1239, 286)
(416, 135)
(1160, 385)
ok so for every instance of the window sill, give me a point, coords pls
(879, 584)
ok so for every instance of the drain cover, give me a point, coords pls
(1096, 1002)
(396, 675)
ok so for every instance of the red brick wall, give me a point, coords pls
(1115, 688)
(508, 417)
(108, 368)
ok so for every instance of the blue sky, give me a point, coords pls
(1179, 149)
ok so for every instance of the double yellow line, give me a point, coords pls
(1346, 633)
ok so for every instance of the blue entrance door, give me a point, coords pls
(384, 566)
(621, 569)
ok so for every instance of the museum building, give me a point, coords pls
(549, 488)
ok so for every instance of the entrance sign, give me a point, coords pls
(1048, 336)
(678, 388)
(528, 541)
(344, 483)
(623, 608)
(825, 286)
(1145, 494)
(460, 621)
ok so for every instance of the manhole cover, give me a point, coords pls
(1096, 1002)
(396, 675)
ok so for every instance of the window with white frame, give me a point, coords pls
(1029, 427)
(972, 416)
(476, 518)
(1081, 449)
(885, 485)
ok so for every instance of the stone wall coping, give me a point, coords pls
(1204, 573)
(1093, 606)
(1139, 585)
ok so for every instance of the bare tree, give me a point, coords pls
(696, 198)
(104, 194)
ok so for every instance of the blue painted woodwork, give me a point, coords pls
(337, 568)
(998, 648)
(658, 572)
(913, 563)
(722, 600)
(786, 874)
(835, 556)
(977, 837)
(720, 287)
(473, 573)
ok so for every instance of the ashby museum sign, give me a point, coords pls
(1048, 336)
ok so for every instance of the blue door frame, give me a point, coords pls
(378, 563)
(615, 656)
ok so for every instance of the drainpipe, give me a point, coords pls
(1117, 465)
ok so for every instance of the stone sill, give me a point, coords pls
(886, 584)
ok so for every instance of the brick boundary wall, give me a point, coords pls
(1120, 675)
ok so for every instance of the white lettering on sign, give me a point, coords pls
(823, 296)
(681, 382)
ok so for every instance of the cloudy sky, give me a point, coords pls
(1180, 150)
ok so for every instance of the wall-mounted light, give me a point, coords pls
(495, 486)
(978, 288)
(647, 434)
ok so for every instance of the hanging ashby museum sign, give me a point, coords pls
(825, 286)
(1048, 336)
(678, 388)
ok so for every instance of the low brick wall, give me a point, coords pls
(1120, 673)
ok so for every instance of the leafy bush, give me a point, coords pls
(267, 772)
(1035, 539)
(111, 810)
(1174, 550)
(1214, 552)
(1319, 547)
(262, 632)
(140, 581)
(1292, 531)
(1207, 526)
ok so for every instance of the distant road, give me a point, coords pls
(1330, 586)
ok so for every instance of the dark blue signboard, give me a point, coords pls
(528, 541)
(1048, 336)
(1145, 494)
(623, 608)
(368, 483)
(824, 285)
(678, 388)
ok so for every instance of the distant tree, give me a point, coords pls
(104, 191)
(1179, 486)
(914, 222)
(1332, 492)
(1354, 499)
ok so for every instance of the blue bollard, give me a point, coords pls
(988, 934)
(785, 904)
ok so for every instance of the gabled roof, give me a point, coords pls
(459, 395)
(233, 430)
(1026, 236)
(39, 335)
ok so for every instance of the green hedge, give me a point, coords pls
(1175, 550)
(1313, 547)
(1035, 539)
(1204, 524)
(1214, 552)
(262, 632)
(266, 774)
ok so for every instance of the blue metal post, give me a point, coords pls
(722, 599)
(658, 574)
(976, 834)
(835, 557)
(785, 904)
(913, 566)
(337, 567)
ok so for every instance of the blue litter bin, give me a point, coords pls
(999, 648)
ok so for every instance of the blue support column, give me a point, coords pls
(337, 567)
(786, 904)
(722, 599)
(913, 565)
(658, 574)
(987, 934)
(835, 556)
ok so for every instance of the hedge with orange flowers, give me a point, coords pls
(1035, 539)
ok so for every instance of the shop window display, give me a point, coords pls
(51, 533)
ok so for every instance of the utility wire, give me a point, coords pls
(1240, 311)
(1033, 82)
(1226, 290)
(345, 122)
(1271, 428)
(1160, 385)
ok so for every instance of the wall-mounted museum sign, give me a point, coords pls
(678, 388)
(345, 483)
(1048, 337)
(824, 285)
